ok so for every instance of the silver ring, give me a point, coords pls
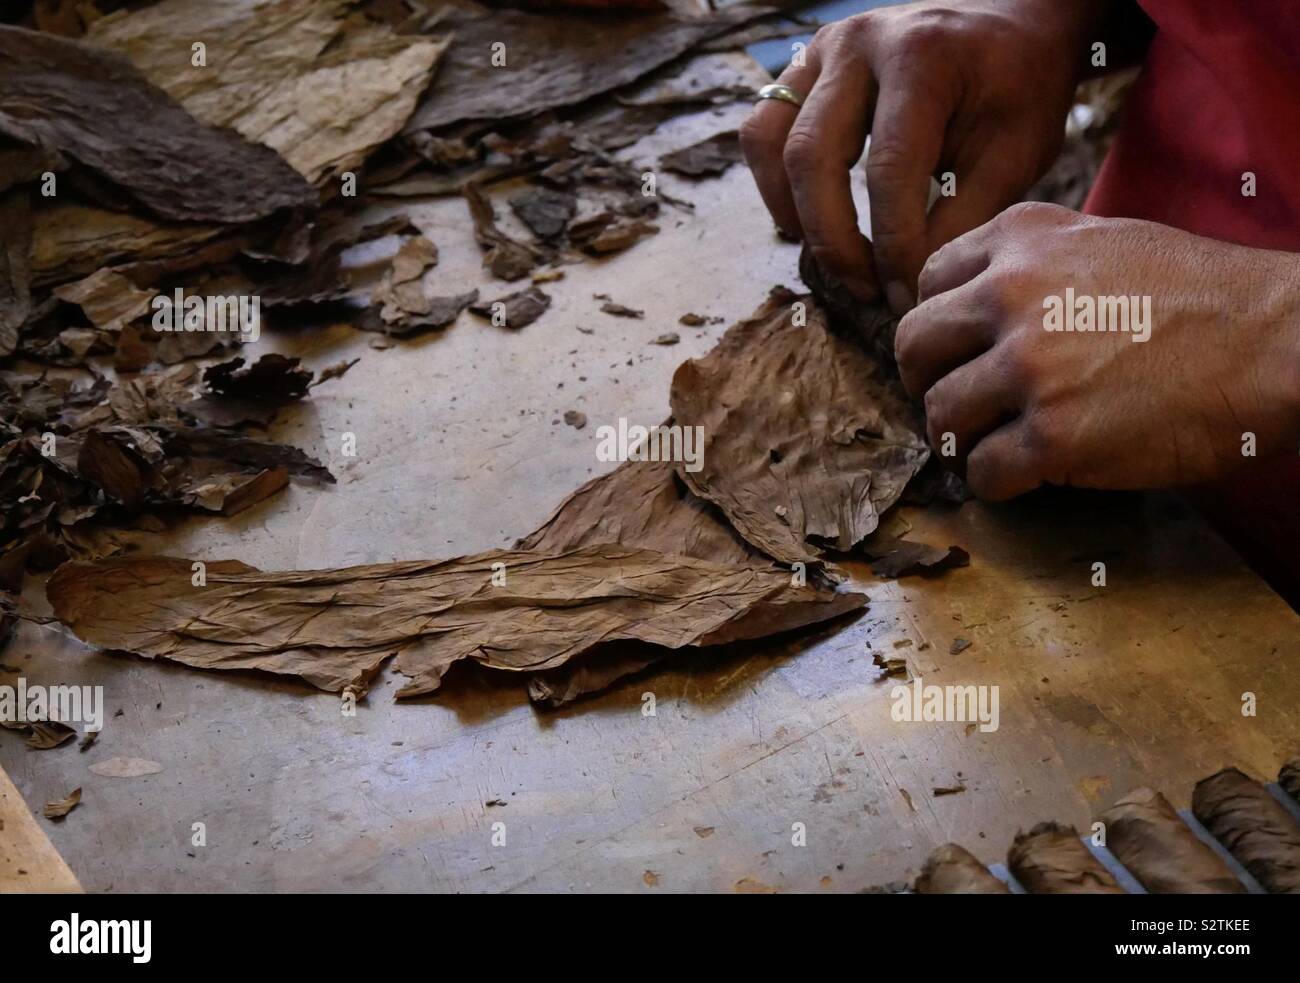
(783, 93)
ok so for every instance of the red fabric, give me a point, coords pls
(1219, 96)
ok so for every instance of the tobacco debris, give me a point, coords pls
(708, 158)
(58, 810)
(894, 557)
(545, 212)
(619, 310)
(516, 310)
(504, 257)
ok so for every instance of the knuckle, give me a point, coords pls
(982, 470)
(1021, 361)
(886, 164)
(925, 32)
(1033, 213)
(1041, 438)
(829, 39)
(937, 411)
(930, 272)
(996, 290)
(905, 344)
(800, 154)
(756, 141)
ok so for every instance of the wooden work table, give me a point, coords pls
(461, 447)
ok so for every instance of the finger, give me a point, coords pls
(941, 334)
(907, 135)
(967, 405)
(763, 137)
(825, 142)
(1002, 465)
(954, 265)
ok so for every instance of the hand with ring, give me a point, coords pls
(979, 88)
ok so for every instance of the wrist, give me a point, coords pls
(1119, 25)
(1280, 349)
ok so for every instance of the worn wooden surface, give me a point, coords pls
(28, 860)
(461, 448)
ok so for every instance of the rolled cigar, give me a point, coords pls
(953, 870)
(1051, 859)
(1254, 827)
(1160, 850)
(1289, 778)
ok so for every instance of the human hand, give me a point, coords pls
(1020, 405)
(979, 89)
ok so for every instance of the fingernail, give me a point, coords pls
(899, 297)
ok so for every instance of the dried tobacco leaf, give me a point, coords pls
(505, 257)
(108, 461)
(951, 869)
(556, 60)
(708, 158)
(545, 212)
(597, 671)
(72, 240)
(57, 810)
(701, 79)
(335, 371)
(320, 89)
(48, 734)
(620, 310)
(254, 394)
(1160, 850)
(98, 111)
(617, 236)
(401, 292)
(335, 628)
(807, 438)
(272, 377)
(893, 557)
(517, 310)
(874, 324)
(15, 267)
(108, 299)
(1051, 859)
(644, 504)
(1253, 825)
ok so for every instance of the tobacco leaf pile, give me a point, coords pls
(138, 163)
(634, 556)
